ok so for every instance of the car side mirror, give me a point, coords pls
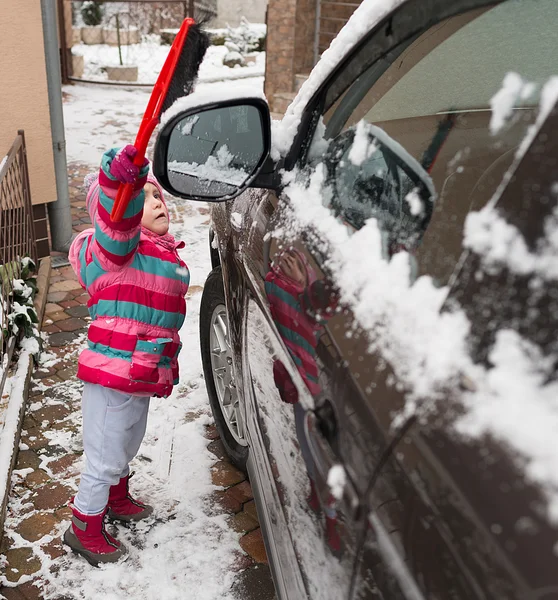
(213, 152)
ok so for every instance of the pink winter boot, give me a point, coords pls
(122, 507)
(87, 536)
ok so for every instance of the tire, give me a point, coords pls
(221, 391)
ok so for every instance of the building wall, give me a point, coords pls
(23, 93)
(280, 49)
(230, 12)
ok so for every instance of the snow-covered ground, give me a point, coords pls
(149, 57)
(100, 117)
(192, 554)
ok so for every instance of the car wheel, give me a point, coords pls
(219, 370)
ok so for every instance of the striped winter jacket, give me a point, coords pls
(137, 285)
(295, 324)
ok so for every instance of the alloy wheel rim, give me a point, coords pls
(223, 373)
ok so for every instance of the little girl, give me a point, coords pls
(137, 286)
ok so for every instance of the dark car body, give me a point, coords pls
(359, 495)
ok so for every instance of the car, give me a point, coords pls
(378, 332)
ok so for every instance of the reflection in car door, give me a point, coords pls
(320, 442)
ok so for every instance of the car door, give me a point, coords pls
(317, 446)
(408, 94)
(463, 506)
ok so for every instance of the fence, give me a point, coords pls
(17, 236)
(126, 42)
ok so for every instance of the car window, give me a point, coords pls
(434, 101)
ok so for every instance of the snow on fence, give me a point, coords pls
(128, 41)
(17, 237)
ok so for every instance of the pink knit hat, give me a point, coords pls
(151, 179)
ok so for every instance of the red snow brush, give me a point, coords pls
(176, 80)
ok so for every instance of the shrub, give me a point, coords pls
(92, 13)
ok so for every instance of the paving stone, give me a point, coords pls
(50, 329)
(83, 299)
(61, 339)
(72, 324)
(57, 297)
(82, 226)
(36, 479)
(55, 279)
(21, 561)
(69, 304)
(255, 583)
(36, 526)
(51, 413)
(67, 373)
(241, 561)
(65, 286)
(29, 421)
(55, 548)
(28, 459)
(62, 464)
(25, 591)
(79, 310)
(211, 432)
(56, 317)
(52, 451)
(216, 447)
(253, 544)
(43, 373)
(63, 514)
(51, 307)
(250, 508)
(242, 492)
(225, 474)
(34, 438)
(242, 522)
(227, 502)
(51, 496)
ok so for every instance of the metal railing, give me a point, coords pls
(17, 235)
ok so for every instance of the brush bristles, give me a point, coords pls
(188, 65)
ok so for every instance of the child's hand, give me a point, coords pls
(123, 168)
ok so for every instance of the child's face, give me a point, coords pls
(155, 215)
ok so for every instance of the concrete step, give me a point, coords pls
(281, 101)
(299, 80)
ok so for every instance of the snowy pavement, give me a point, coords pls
(205, 508)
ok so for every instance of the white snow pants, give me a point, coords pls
(113, 428)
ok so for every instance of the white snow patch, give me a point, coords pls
(501, 244)
(236, 220)
(336, 480)
(513, 90)
(361, 149)
(519, 374)
(415, 203)
(13, 390)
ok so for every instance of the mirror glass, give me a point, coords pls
(372, 176)
(213, 153)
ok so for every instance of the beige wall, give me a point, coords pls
(23, 92)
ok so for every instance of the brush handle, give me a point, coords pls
(151, 117)
(125, 190)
